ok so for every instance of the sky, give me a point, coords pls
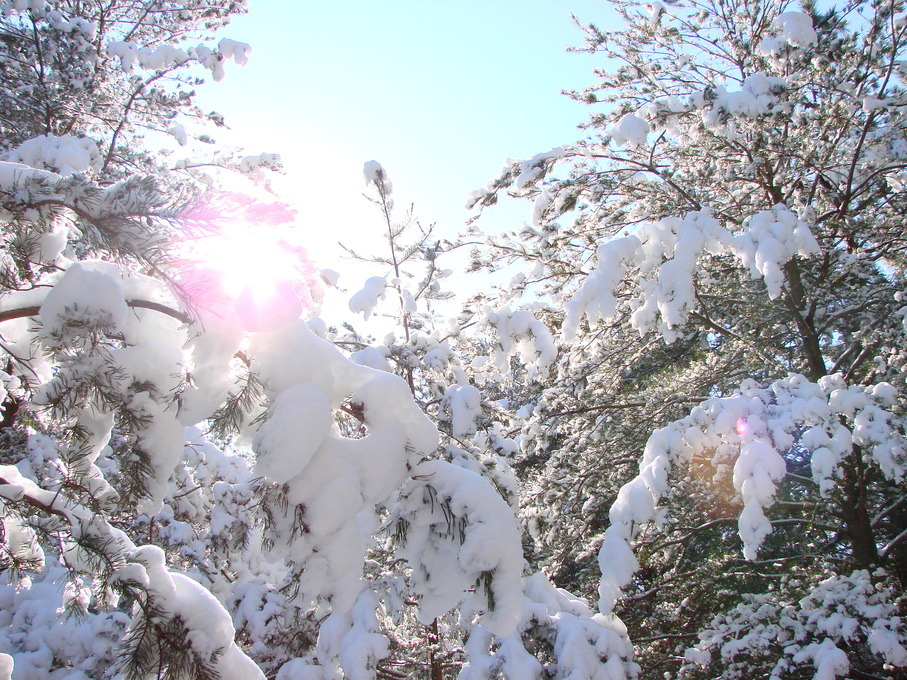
(440, 92)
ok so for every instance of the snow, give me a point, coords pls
(209, 626)
(40, 638)
(533, 168)
(336, 492)
(178, 132)
(298, 421)
(885, 641)
(330, 276)
(355, 636)
(36, 636)
(656, 9)
(630, 131)
(159, 364)
(373, 357)
(830, 662)
(836, 613)
(166, 56)
(152, 58)
(774, 237)
(375, 173)
(160, 436)
(253, 165)
(466, 533)
(239, 52)
(87, 293)
(796, 28)
(365, 301)
(339, 482)
(207, 356)
(463, 406)
(751, 432)
(22, 540)
(51, 244)
(584, 646)
(666, 254)
(519, 333)
(757, 470)
(63, 155)
(665, 257)
(372, 171)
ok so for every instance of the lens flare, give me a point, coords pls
(249, 268)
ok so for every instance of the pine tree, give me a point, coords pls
(470, 487)
(723, 257)
(94, 401)
(198, 479)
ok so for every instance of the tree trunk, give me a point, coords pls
(856, 512)
(437, 672)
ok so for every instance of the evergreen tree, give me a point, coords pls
(723, 257)
(198, 479)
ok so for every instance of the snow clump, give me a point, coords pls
(88, 292)
(365, 301)
(630, 131)
(63, 155)
(375, 173)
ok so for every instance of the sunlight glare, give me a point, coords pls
(266, 280)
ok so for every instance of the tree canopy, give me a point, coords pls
(723, 256)
(672, 444)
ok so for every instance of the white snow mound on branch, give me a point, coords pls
(836, 613)
(793, 29)
(375, 173)
(298, 421)
(463, 405)
(774, 237)
(209, 626)
(88, 292)
(630, 131)
(64, 155)
(239, 52)
(365, 301)
(533, 168)
(519, 333)
(166, 56)
(758, 95)
(796, 28)
(461, 536)
(334, 482)
(586, 646)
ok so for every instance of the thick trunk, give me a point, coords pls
(856, 512)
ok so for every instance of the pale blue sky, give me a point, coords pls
(440, 92)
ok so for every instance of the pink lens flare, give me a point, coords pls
(241, 263)
(742, 427)
(214, 210)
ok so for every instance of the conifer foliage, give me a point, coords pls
(687, 406)
(198, 478)
(722, 455)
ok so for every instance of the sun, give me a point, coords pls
(252, 272)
